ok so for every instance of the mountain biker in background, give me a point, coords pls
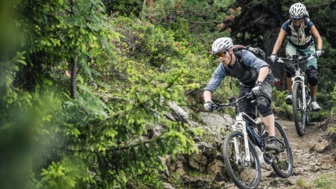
(254, 75)
(301, 33)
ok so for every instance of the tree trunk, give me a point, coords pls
(73, 64)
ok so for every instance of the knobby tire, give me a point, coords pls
(237, 172)
(300, 116)
(283, 163)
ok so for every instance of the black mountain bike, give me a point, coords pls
(239, 148)
(301, 92)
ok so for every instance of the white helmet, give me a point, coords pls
(297, 11)
(221, 44)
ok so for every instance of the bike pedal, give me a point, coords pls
(268, 158)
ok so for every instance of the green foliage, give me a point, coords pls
(302, 184)
(129, 71)
(326, 73)
(279, 105)
(333, 99)
(147, 180)
(101, 128)
(326, 181)
(157, 49)
(64, 174)
(123, 8)
(112, 132)
(176, 180)
(61, 33)
(9, 65)
(27, 136)
(200, 15)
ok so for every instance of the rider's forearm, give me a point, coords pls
(319, 43)
(278, 43)
(263, 72)
(317, 37)
(276, 47)
(207, 96)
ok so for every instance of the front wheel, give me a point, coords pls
(300, 114)
(245, 174)
(282, 163)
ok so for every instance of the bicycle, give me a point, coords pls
(239, 147)
(301, 92)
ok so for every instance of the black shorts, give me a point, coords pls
(247, 107)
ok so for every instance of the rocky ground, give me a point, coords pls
(314, 157)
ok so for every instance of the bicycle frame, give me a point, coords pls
(239, 147)
(241, 125)
(301, 94)
(299, 77)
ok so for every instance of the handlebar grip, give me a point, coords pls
(278, 60)
(214, 106)
(249, 95)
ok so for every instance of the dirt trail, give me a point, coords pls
(313, 157)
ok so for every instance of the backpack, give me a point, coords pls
(255, 50)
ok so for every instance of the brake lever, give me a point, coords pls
(232, 100)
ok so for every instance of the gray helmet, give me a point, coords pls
(297, 11)
(221, 44)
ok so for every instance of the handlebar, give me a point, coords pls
(233, 102)
(296, 58)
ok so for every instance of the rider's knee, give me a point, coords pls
(312, 76)
(264, 106)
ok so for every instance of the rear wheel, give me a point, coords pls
(283, 162)
(300, 114)
(245, 174)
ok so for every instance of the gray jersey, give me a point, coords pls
(245, 70)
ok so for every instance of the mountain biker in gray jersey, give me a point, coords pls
(254, 75)
(301, 33)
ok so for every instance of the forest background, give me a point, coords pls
(83, 80)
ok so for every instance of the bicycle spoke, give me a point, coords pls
(245, 174)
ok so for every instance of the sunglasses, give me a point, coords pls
(221, 54)
(296, 18)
